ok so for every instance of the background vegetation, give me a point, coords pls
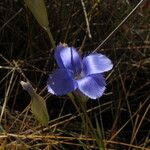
(120, 117)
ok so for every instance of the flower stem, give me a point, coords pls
(50, 37)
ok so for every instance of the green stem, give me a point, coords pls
(50, 36)
(80, 104)
(81, 108)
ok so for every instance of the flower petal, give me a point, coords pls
(96, 63)
(61, 82)
(92, 86)
(67, 57)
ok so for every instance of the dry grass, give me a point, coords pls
(25, 54)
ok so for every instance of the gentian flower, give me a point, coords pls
(84, 75)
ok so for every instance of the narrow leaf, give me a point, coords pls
(38, 9)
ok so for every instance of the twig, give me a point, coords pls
(86, 19)
(124, 20)
(129, 119)
(7, 94)
(11, 19)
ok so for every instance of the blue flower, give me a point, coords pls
(74, 73)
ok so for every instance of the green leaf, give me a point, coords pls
(39, 109)
(38, 9)
(38, 104)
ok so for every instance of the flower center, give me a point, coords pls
(79, 76)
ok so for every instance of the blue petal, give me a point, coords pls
(96, 63)
(61, 82)
(67, 57)
(92, 86)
